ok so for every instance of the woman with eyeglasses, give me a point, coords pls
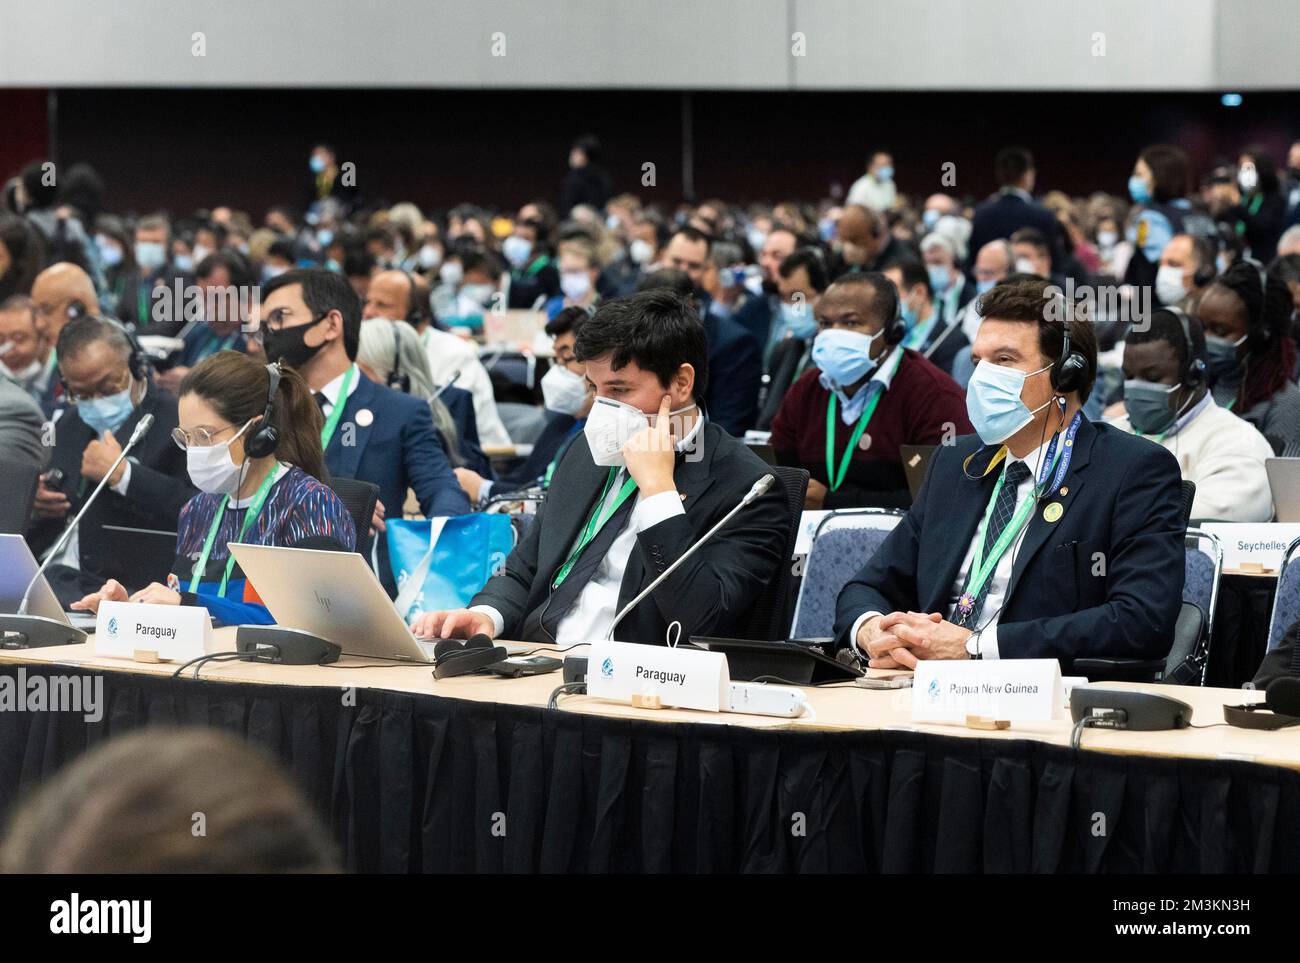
(257, 465)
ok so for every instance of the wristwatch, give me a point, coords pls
(973, 646)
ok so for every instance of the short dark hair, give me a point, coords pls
(39, 193)
(324, 291)
(913, 274)
(1164, 325)
(885, 300)
(808, 258)
(1028, 300)
(695, 236)
(241, 275)
(657, 329)
(570, 319)
(1035, 237)
(1011, 164)
(1170, 169)
(89, 328)
(283, 248)
(671, 279)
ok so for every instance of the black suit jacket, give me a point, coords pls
(1003, 214)
(158, 488)
(735, 374)
(712, 593)
(1104, 580)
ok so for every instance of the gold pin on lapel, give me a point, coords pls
(1065, 489)
(683, 496)
(1052, 512)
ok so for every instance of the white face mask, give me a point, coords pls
(212, 469)
(1025, 266)
(610, 425)
(575, 284)
(563, 391)
(640, 251)
(1169, 284)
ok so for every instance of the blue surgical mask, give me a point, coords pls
(984, 287)
(150, 255)
(110, 253)
(940, 278)
(324, 237)
(517, 250)
(1138, 190)
(844, 357)
(183, 262)
(317, 164)
(108, 413)
(885, 173)
(798, 320)
(993, 401)
(1221, 356)
(930, 218)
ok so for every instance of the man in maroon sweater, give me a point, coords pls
(876, 394)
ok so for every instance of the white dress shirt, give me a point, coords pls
(449, 354)
(1001, 578)
(596, 605)
(331, 390)
(72, 551)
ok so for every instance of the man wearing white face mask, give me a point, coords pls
(533, 276)
(567, 398)
(108, 382)
(578, 273)
(629, 498)
(251, 438)
(1042, 536)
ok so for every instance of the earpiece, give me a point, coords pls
(1071, 368)
(1193, 373)
(266, 436)
(453, 657)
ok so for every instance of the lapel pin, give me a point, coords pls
(683, 496)
(1065, 489)
(1052, 512)
(365, 417)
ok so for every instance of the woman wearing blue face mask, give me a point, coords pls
(1159, 184)
(845, 420)
(258, 477)
(1250, 355)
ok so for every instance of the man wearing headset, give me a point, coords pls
(108, 385)
(61, 293)
(1042, 536)
(1167, 399)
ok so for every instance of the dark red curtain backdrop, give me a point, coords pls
(184, 149)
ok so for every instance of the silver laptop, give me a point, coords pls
(334, 595)
(17, 566)
(1284, 480)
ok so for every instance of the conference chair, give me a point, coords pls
(1286, 604)
(359, 498)
(782, 368)
(1190, 634)
(17, 493)
(1204, 566)
(770, 619)
(841, 545)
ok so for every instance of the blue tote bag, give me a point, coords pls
(440, 563)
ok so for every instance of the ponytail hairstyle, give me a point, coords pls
(235, 385)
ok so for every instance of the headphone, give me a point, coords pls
(894, 330)
(396, 379)
(417, 308)
(138, 362)
(1193, 373)
(1263, 297)
(1069, 370)
(263, 441)
(452, 657)
(1205, 255)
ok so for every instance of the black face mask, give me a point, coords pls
(287, 344)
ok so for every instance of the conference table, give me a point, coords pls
(476, 774)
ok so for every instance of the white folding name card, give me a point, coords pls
(1011, 690)
(176, 633)
(1259, 543)
(686, 678)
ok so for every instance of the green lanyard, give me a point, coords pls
(981, 568)
(833, 478)
(202, 564)
(336, 410)
(596, 522)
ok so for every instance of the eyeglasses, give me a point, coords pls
(275, 320)
(200, 438)
(102, 391)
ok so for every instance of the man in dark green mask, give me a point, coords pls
(1167, 399)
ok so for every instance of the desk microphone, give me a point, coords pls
(760, 486)
(450, 381)
(36, 631)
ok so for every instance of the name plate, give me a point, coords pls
(1260, 543)
(685, 678)
(1011, 690)
(177, 633)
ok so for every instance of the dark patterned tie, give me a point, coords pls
(321, 400)
(1003, 509)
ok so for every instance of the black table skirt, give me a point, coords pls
(414, 783)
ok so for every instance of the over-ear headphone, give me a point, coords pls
(1071, 368)
(397, 380)
(76, 309)
(1263, 299)
(417, 308)
(894, 330)
(1193, 373)
(266, 436)
(453, 657)
(138, 362)
(1205, 255)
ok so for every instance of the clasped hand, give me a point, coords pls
(899, 639)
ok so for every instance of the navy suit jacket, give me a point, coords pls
(1002, 215)
(460, 405)
(1104, 580)
(735, 373)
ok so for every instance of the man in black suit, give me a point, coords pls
(1013, 206)
(1045, 536)
(629, 498)
(110, 384)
